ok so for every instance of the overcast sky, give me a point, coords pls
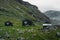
(45, 5)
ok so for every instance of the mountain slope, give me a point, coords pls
(54, 16)
(53, 13)
(16, 12)
(34, 11)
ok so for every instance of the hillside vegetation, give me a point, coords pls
(16, 11)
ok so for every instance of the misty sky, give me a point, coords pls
(45, 5)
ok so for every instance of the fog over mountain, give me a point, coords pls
(54, 16)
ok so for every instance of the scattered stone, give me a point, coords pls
(2, 39)
(29, 31)
(55, 27)
(58, 34)
(18, 7)
(21, 38)
(7, 35)
(20, 31)
(34, 35)
(46, 29)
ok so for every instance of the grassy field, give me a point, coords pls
(15, 12)
(13, 31)
(25, 32)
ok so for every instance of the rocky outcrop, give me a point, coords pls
(35, 11)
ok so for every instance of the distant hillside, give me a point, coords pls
(54, 15)
(16, 11)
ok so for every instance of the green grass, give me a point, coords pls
(17, 24)
(16, 16)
